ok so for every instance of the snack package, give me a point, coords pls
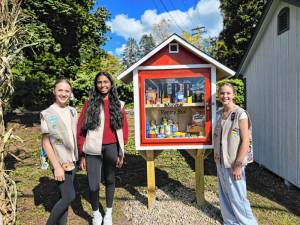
(198, 122)
(198, 117)
(151, 97)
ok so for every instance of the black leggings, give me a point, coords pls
(59, 213)
(94, 164)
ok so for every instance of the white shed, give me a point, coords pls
(271, 69)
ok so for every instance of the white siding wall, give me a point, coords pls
(297, 68)
(273, 98)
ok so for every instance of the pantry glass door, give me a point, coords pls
(175, 106)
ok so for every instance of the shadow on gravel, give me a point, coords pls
(46, 193)
(134, 174)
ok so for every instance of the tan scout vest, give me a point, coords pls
(228, 138)
(93, 139)
(58, 135)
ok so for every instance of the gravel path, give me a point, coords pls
(173, 206)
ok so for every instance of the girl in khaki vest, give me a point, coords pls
(231, 153)
(58, 127)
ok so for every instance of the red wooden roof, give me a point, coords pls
(188, 55)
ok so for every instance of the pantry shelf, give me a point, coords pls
(196, 104)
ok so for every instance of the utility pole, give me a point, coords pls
(197, 35)
(199, 30)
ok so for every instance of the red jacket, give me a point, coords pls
(109, 135)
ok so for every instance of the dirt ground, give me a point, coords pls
(272, 201)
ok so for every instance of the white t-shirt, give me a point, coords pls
(242, 117)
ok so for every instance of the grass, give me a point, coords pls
(272, 202)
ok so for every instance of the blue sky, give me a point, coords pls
(133, 18)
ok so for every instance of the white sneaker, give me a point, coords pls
(107, 220)
(97, 220)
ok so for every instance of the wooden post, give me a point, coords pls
(199, 174)
(199, 156)
(150, 177)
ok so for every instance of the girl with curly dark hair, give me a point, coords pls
(102, 132)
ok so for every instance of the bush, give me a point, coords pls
(84, 82)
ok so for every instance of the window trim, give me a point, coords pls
(171, 45)
(283, 11)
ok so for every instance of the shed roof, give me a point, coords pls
(260, 29)
(222, 70)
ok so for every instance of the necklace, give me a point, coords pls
(225, 114)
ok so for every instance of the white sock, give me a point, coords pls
(108, 212)
(96, 213)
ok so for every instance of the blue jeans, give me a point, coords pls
(235, 206)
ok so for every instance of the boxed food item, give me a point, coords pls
(198, 117)
(151, 96)
(198, 122)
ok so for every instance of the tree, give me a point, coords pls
(240, 19)
(72, 34)
(146, 45)
(109, 63)
(193, 39)
(161, 31)
(130, 53)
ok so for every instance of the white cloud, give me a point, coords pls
(205, 13)
(126, 27)
(120, 50)
(206, 7)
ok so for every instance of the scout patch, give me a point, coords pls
(52, 121)
(235, 132)
(58, 141)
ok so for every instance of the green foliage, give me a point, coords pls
(193, 39)
(240, 19)
(82, 85)
(84, 80)
(200, 42)
(112, 65)
(130, 53)
(125, 92)
(146, 45)
(129, 105)
(134, 51)
(71, 35)
(238, 85)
